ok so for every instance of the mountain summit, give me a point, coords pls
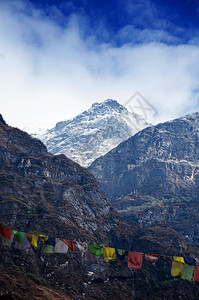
(93, 133)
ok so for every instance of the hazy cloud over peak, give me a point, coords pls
(53, 65)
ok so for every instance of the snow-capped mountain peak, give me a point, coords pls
(93, 133)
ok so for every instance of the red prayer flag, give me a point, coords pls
(135, 260)
(6, 232)
(196, 274)
(70, 244)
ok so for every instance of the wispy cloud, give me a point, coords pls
(50, 72)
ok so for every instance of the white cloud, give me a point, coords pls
(49, 73)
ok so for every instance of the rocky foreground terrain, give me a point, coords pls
(50, 194)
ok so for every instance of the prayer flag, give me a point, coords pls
(92, 258)
(151, 258)
(6, 242)
(96, 250)
(6, 232)
(121, 253)
(50, 241)
(60, 246)
(82, 248)
(187, 272)
(196, 274)
(109, 253)
(34, 239)
(70, 244)
(135, 260)
(178, 259)
(176, 268)
(189, 261)
(29, 237)
(19, 236)
(24, 245)
(49, 249)
(43, 237)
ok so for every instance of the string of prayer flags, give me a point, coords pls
(70, 244)
(135, 260)
(6, 232)
(187, 268)
(151, 258)
(109, 253)
(96, 250)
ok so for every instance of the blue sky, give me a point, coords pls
(108, 19)
(58, 57)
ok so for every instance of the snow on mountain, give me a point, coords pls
(92, 133)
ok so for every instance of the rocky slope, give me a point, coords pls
(159, 161)
(53, 188)
(53, 195)
(92, 133)
(153, 177)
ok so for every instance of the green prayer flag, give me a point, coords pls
(97, 250)
(19, 236)
(187, 272)
(121, 252)
(49, 249)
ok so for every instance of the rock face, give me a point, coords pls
(92, 133)
(52, 195)
(159, 161)
(53, 188)
(153, 177)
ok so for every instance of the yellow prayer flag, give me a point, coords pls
(34, 239)
(178, 259)
(43, 237)
(176, 268)
(109, 253)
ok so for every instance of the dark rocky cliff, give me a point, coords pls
(51, 188)
(159, 161)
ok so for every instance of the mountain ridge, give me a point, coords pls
(93, 132)
(173, 142)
